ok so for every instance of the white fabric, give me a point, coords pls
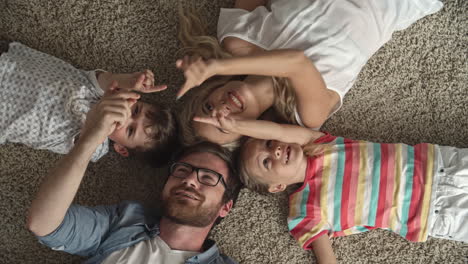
(44, 100)
(154, 251)
(449, 212)
(339, 36)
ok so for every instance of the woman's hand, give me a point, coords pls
(196, 71)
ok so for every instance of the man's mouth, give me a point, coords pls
(187, 194)
(235, 100)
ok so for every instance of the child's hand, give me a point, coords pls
(138, 81)
(196, 71)
(220, 120)
(145, 83)
(111, 112)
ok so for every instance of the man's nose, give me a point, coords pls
(191, 179)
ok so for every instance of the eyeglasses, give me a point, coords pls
(207, 177)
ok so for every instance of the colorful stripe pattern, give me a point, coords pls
(356, 186)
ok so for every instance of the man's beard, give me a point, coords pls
(185, 213)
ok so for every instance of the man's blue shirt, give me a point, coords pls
(98, 231)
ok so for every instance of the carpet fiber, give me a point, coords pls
(413, 90)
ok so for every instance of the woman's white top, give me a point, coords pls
(339, 36)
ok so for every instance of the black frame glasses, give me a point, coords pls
(206, 178)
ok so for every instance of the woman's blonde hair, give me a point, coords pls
(196, 41)
(254, 182)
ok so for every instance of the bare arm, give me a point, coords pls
(138, 81)
(263, 129)
(323, 250)
(315, 101)
(59, 187)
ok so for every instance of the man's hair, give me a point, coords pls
(161, 132)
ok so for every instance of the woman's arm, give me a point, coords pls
(323, 250)
(263, 129)
(314, 100)
(238, 47)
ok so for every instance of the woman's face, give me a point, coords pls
(234, 97)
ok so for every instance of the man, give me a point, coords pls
(200, 189)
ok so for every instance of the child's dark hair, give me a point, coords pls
(162, 137)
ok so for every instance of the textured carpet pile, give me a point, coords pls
(413, 90)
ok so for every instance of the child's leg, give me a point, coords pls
(450, 206)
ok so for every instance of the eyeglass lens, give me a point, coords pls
(204, 176)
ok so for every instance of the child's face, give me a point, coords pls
(237, 99)
(273, 162)
(133, 133)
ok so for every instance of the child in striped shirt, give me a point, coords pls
(352, 186)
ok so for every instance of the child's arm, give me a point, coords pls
(323, 250)
(137, 81)
(263, 129)
(314, 100)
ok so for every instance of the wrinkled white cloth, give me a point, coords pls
(449, 212)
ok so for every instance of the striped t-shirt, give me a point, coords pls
(356, 186)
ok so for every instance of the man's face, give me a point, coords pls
(187, 201)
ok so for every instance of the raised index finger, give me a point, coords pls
(185, 88)
(207, 120)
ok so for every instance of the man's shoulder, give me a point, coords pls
(136, 210)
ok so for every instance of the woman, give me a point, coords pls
(315, 49)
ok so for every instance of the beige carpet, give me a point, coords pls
(412, 90)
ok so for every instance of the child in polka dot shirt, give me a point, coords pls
(44, 101)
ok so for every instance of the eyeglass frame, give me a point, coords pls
(197, 169)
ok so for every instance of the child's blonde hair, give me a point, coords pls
(196, 41)
(254, 182)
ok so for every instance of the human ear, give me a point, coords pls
(123, 151)
(226, 208)
(277, 188)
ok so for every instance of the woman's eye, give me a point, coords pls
(268, 143)
(130, 131)
(135, 111)
(265, 163)
(208, 107)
